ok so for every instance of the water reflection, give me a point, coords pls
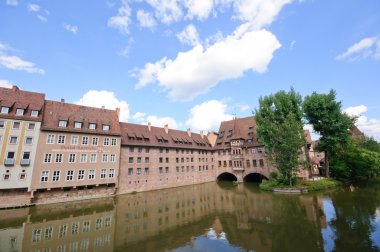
(207, 217)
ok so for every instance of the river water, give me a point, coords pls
(206, 217)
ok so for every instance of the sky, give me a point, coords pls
(193, 63)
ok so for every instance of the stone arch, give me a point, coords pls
(254, 177)
(226, 176)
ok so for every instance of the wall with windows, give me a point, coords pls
(18, 141)
(71, 160)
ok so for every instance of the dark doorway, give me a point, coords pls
(226, 176)
(254, 178)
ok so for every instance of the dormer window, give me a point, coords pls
(4, 110)
(20, 111)
(106, 127)
(34, 113)
(62, 123)
(78, 125)
(92, 126)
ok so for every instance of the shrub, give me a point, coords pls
(269, 184)
(323, 184)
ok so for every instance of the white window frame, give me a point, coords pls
(113, 141)
(81, 174)
(85, 140)
(16, 123)
(34, 113)
(103, 173)
(50, 139)
(72, 158)
(106, 141)
(61, 139)
(92, 126)
(95, 141)
(111, 173)
(44, 176)
(58, 158)
(83, 158)
(78, 125)
(31, 126)
(62, 123)
(93, 158)
(105, 158)
(47, 158)
(20, 111)
(74, 140)
(91, 174)
(13, 137)
(56, 175)
(106, 127)
(70, 175)
(4, 110)
(26, 140)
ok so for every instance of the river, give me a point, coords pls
(206, 217)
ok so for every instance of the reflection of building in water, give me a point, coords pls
(89, 227)
(11, 239)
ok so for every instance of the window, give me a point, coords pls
(74, 231)
(50, 139)
(13, 140)
(25, 155)
(138, 171)
(261, 161)
(254, 163)
(83, 158)
(106, 141)
(139, 160)
(131, 149)
(56, 175)
(112, 158)
(167, 160)
(70, 175)
(130, 171)
(130, 160)
(95, 141)
(47, 158)
(61, 139)
(58, 157)
(113, 142)
(93, 158)
(72, 158)
(146, 149)
(92, 126)
(6, 176)
(91, 174)
(22, 176)
(160, 160)
(146, 171)
(112, 173)
(16, 125)
(62, 123)
(34, 113)
(86, 226)
(44, 176)
(105, 158)
(62, 231)
(85, 140)
(77, 125)
(146, 159)
(2, 124)
(167, 169)
(80, 174)
(48, 233)
(4, 110)
(160, 170)
(103, 173)
(106, 127)
(37, 233)
(74, 140)
(29, 140)
(20, 111)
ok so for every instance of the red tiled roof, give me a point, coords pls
(14, 98)
(56, 111)
(139, 135)
(355, 132)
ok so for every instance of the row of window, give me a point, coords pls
(17, 125)
(166, 150)
(19, 111)
(79, 125)
(162, 170)
(239, 151)
(7, 176)
(75, 229)
(240, 164)
(28, 140)
(12, 155)
(85, 140)
(83, 158)
(70, 176)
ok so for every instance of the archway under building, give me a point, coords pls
(226, 176)
(254, 178)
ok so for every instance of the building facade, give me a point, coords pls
(78, 153)
(20, 121)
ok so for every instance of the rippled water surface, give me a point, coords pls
(206, 217)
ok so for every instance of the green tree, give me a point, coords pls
(280, 130)
(324, 113)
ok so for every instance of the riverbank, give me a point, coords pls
(301, 186)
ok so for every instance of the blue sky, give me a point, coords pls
(192, 63)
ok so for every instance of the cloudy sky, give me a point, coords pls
(193, 63)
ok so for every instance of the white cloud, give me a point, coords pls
(6, 84)
(367, 47)
(139, 117)
(42, 18)
(145, 19)
(161, 121)
(208, 115)
(95, 98)
(12, 2)
(258, 13)
(16, 63)
(370, 127)
(292, 44)
(122, 20)
(199, 9)
(314, 136)
(33, 7)
(71, 28)
(243, 107)
(196, 71)
(189, 35)
(167, 11)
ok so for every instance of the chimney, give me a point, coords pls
(62, 100)
(118, 113)
(189, 132)
(166, 128)
(103, 107)
(202, 134)
(149, 126)
(15, 88)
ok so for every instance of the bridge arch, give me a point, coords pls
(254, 177)
(226, 176)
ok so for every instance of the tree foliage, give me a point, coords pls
(280, 130)
(324, 113)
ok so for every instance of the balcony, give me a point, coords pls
(25, 162)
(9, 162)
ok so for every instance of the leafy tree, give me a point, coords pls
(324, 113)
(368, 143)
(280, 130)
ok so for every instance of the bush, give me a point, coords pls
(268, 185)
(273, 175)
(323, 184)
